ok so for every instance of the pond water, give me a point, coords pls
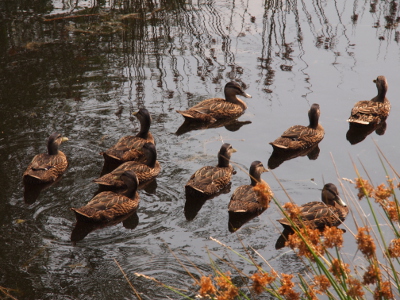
(84, 75)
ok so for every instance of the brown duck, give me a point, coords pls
(300, 137)
(332, 211)
(210, 180)
(213, 109)
(254, 197)
(144, 171)
(107, 206)
(375, 110)
(47, 167)
(128, 147)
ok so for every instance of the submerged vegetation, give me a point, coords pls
(330, 273)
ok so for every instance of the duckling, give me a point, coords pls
(144, 171)
(375, 110)
(299, 136)
(128, 147)
(210, 180)
(254, 197)
(332, 211)
(210, 110)
(107, 206)
(47, 167)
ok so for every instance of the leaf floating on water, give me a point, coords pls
(20, 221)
(78, 265)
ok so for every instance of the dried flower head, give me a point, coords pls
(321, 283)
(292, 210)
(372, 275)
(394, 248)
(223, 281)
(364, 187)
(286, 288)
(392, 210)
(306, 241)
(383, 291)
(264, 191)
(354, 288)
(207, 288)
(333, 237)
(381, 193)
(365, 242)
(228, 294)
(339, 269)
(260, 280)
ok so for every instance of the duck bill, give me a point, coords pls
(233, 150)
(246, 95)
(135, 113)
(341, 202)
(64, 139)
(265, 170)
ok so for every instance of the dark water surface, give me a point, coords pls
(84, 76)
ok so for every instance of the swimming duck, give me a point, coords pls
(210, 110)
(210, 180)
(299, 136)
(332, 211)
(47, 167)
(144, 171)
(128, 147)
(254, 197)
(107, 206)
(375, 110)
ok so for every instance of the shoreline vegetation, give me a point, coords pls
(330, 273)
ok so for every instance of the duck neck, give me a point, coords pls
(313, 121)
(144, 129)
(255, 178)
(131, 191)
(151, 158)
(233, 99)
(223, 161)
(52, 148)
(381, 94)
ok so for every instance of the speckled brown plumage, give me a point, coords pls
(128, 148)
(107, 206)
(144, 171)
(299, 136)
(210, 180)
(332, 211)
(214, 109)
(375, 110)
(47, 167)
(254, 197)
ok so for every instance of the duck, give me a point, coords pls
(47, 167)
(301, 137)
(211, 110)
(332, 211)
(108, 206)
(209, 180)
(375, 110)
(144, 171)
(128, 147)
(254, 197)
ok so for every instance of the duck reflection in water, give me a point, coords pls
(32, 191)
(278, 157)
(82, 229)
(195, 201)
(249, 201)
(357, 132)
(229, 124)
